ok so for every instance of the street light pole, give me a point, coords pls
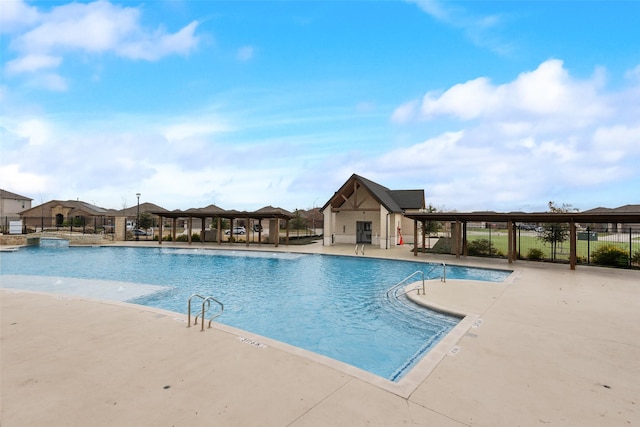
(138, 218)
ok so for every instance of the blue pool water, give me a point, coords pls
(331, 305)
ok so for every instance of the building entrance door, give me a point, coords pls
(363, 232)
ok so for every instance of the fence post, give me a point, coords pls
(630, 249)
(589, 246)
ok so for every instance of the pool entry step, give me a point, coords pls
(206, 307)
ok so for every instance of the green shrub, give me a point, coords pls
(636, 257)
(481, 247)
(610, 255)
(535, 254)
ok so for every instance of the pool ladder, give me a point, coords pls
(206, 305)
(443, 278)
(360, 248)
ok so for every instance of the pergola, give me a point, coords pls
(459, 226)
(217, 214)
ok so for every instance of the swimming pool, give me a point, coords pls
(332, 305)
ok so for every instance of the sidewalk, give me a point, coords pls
(550, 347)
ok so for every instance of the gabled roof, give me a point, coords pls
(4, 194)
(393, 200)
(133, 210)
(409, 199)
(214, 211)
(74, 205)
(270, 210)
(620, 209)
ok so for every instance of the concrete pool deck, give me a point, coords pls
(550, 346)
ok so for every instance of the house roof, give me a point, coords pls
(621, 209)
(4, 194)
(392, 200)
(215, 211)
(534, 217)
(74, 205)
(133, 210)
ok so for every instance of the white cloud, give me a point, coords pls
(23, 182)
(481, 30)
(152, 47)
(430, 153)
(614, 143)
(16, 14)
(467, 101)
(35, 131)
(194, 128)
(93, 28)
(547, 93)
(521, 143)
(633, 74)
(433, 8)
(405, 113)
(32, 62)
(245, 53)
(50, 81)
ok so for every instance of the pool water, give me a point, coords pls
(332, 305)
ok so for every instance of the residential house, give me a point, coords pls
(614, 227)
(11, 204)
(70, 213)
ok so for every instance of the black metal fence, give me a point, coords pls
(78, 224)
(594, 246)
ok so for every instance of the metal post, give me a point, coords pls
(630, 243)
(588, 245)
(137, 218)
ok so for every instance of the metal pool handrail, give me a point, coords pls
(205, 301)
(394, 287)
(443, 278)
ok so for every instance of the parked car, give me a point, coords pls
(236, 230)
(257, 228)
(529, 227)
(140, 232)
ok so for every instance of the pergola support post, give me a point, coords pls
(286, 223)
(247, 230)
(464, 239)
(573, 256)
(415, 238)
(510, 241)
(457, 236)
(174, 223)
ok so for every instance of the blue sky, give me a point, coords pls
(485, 105)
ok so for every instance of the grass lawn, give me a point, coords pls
(526, 240)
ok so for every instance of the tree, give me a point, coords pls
(298, 222)
(431, 227)
(145, 220)
(554, 233)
